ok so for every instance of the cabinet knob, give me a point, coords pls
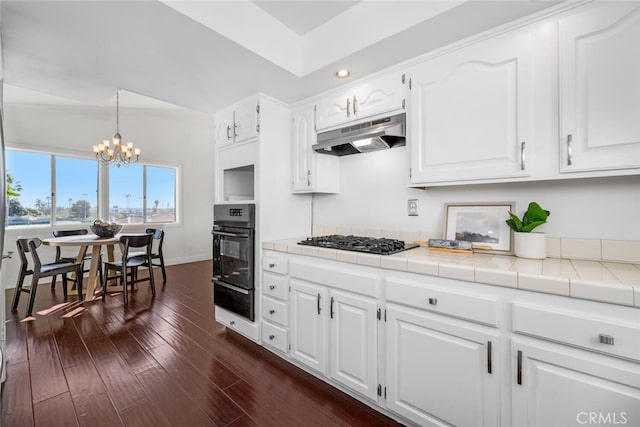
(272, 337)
(272, 265)
(433, 301)
(606, 339)
(272, 287)
(272, 312)
(233, 322)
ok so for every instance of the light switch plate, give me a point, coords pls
(412, 207)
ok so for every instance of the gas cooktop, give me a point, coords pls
(371, 245)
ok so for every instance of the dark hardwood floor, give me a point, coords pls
(156, 362)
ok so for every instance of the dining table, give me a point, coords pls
(83, 242)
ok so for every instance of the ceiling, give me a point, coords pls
(204, 55)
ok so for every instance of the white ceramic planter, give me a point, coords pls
(530, 245)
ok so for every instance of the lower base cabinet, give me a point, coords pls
(336, 333)
(555, 385)
(441, 372)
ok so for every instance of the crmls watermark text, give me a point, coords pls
(602, 418)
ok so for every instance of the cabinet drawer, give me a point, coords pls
(275, 264)
(472, 307)
(237, 323)
(275, 336)
(274, 311)
(579, 329)
(275, 286)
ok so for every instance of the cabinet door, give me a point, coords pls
(441, 371)
(224, 128)
(379, 96)
(309, 324)
(472, 112)
(600, 88)
(334, 110)
(246, 120)
(302, 138)
(353, 342)
(562, 386)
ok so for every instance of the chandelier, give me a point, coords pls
(116, 152)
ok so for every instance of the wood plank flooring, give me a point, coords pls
(156, 362)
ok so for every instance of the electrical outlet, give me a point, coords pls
(412, 207)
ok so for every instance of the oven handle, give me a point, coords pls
(224, 233)
(233, 288)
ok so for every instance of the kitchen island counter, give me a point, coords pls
(603, 281)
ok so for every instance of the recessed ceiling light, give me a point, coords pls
(343, 74)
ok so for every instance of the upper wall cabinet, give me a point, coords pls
(377, 96)
(311, 172)
(471, 112)
(600, 88)
(238, 123)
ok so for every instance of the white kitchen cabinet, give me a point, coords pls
(308, 307)
(238, 123)
(310, 172)
(554, 385)
(472, 112)
(275, 311)
(353, 342)
(441, 371)
(600, 88)
(340, 325)
(381, 95)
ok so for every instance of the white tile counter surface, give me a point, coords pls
(611, 282)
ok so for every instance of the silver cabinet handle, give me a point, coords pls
(272, 337)
(271, 265)
(489, 367)
(257, 128)
(228, 132)
(569, 156)
(433, 301)
(348, 107)
(272, 312)
(235, 128)
(523, 148)
(308, 177)
(318, 303)
(272, 287)
(331, 308)
(606, 339)
(355, 105)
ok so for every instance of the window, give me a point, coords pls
(60, 190)
(29, 180)
(76, 190)
(161, 194)
(125, 194)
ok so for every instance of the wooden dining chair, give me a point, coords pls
(39, 270)
(156, 251)
(128, 266)
(60, 258)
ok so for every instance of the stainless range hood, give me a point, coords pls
(373, 135)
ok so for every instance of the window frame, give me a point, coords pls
(102, 187)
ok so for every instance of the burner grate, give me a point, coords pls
(372, 245)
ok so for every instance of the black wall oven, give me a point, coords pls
(234, 258)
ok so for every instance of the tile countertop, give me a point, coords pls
(611, 282)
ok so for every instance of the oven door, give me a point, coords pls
(233, 256)
(234, 299)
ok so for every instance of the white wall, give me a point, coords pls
(374, 193)
(174, 137)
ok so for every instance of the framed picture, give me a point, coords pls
(482, 224)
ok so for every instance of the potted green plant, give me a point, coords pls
(529, 244)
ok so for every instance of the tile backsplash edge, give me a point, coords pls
(627, 251)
